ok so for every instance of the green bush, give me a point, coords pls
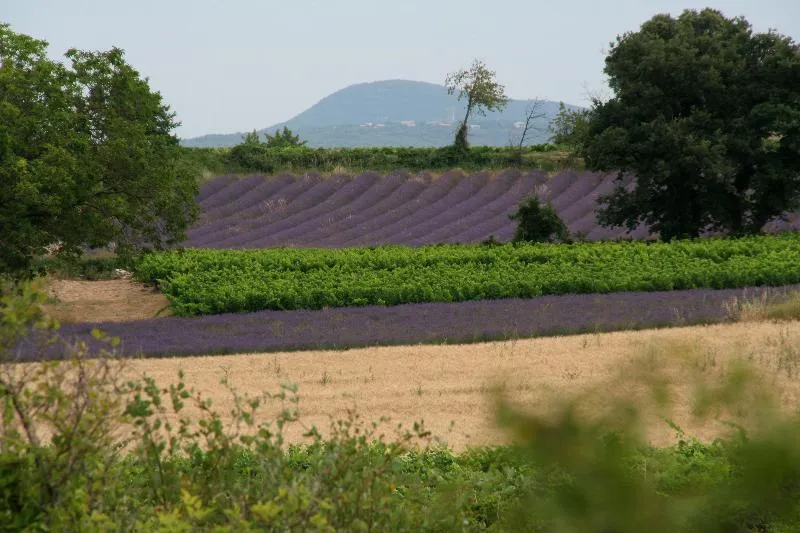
(538, 223)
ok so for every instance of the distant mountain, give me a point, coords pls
(396, 113)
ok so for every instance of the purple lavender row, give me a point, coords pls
(334, 208)
(212, 186)
(354, 219)
(410, 324)
(442, 211)
(385, 220)
(457, 219)
(307, 204)
(246, 207)
(482, 217)
(263, 211)
(494, 216)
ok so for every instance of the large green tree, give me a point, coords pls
(478, 86)
(705, 114)
(87, 155)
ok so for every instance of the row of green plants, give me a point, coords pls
(265, 159)
(200, 281)
(86, 445)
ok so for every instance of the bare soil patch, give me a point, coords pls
(116, 300)
(450, 387)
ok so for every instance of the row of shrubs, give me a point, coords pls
(86, 446)
(251, 157)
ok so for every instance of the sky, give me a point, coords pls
(237, 65)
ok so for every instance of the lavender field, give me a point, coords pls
(398, 208)
(341, 328)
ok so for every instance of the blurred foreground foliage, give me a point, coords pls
(87, 446)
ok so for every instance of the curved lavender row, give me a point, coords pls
(267, 188)
(211, 225)
(390, 222)
(312, 203)
(387, 191)
(470, 212)
(586, 204)
(494, 217)
(232, 192)
(369, 213)
(212, 186)
(422, 223)
(216, 220)
(334, 209)
(565, 202)
(557, 184)
(585, 224)
(475, 213)
(409, 324)
(281, 190)
(292, 198)
(506, 231)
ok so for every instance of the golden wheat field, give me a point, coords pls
(451, 387)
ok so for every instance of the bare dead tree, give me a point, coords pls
(533, 112)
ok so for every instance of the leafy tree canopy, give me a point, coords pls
(283, 139)
(477, 85)
(569, 127)
(705, 114)
(87, 157)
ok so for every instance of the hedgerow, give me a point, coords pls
(260, 158)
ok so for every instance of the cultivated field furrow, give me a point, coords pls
(488, 221)
(262, 228)
(557, 184)
(389, 223)
(447, 208)
(320, 199)
(335, 209)
(275, 208)
(211, 187)
(470, 212)
(232, 192)
(571, 204)
(248, 204)
(582, 206)
(360, 217)
(263, 210)
(372, 207)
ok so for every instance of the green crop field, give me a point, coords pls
(219, 281)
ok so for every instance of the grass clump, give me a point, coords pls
(767, 306)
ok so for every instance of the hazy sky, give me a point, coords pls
(227, 66)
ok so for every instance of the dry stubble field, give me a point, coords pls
(450, 386)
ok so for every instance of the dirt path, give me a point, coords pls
(104, 301)
(446, 385)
